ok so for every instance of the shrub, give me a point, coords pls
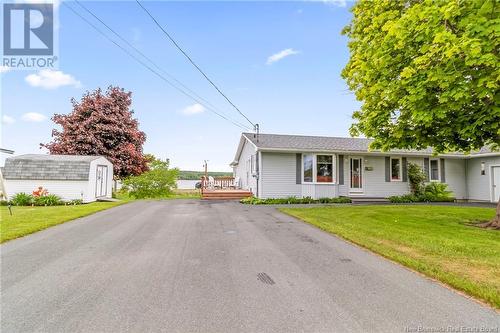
(433, 192)
(48, 200)
(293, 200)
(335, 200)
(75, 202)
(23, 199)
(437, 192)
(407, 198)
(416, 179)
(156, 183)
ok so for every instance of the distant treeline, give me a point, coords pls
(192, 175)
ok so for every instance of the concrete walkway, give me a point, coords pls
(193, 266)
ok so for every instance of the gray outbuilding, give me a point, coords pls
(69, 176)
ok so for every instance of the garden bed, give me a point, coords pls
(294, 200)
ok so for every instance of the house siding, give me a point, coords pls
(374, 184)
(242, 170)
(318, 191)
(455, 177)
(479, 186)
(278, 176)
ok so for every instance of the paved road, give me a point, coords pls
(191, 266)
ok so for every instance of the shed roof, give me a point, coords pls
(48, 167)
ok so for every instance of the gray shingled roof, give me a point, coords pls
(48, 167)
(323, 143)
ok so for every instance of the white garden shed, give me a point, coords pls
(68, 176)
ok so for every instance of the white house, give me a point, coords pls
(276, 166)
(68, 176)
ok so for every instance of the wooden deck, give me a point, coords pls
(222, 188)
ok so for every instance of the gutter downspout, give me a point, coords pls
(258, 173)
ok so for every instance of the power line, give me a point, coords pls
(146, 57)
(154, 71)
(193, 63)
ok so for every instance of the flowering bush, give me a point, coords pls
(40, 192)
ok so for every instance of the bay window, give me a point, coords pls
(318, 168)
(324, 168)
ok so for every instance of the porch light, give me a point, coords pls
(483, 172)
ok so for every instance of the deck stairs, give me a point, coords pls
(225, 194)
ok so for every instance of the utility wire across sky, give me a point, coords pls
(255, 126)
(195, 98)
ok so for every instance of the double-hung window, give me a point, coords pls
(434, 170)
(396, 169)
(318, 168)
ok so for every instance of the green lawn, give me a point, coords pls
(27, 220)
(434, 240)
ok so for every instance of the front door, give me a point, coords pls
(101, 185)
(496, 183)
(356, 174)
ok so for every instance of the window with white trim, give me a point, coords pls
(434, 170)
(318, 168)
(396, 169)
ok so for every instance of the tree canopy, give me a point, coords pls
(102, 124)
(427, 73)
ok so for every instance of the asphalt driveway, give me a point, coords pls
(193, 266)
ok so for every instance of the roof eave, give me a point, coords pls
(354, 152)
(243, 140)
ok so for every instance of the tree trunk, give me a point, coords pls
(495, 222)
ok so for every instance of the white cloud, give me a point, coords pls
(49, 79)
(193, 109)
(338, 3)
(7, 120)
(34, 117)
(5, 69)
(280, 55)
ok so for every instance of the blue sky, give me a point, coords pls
(300, 92)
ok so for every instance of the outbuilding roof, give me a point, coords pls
(48, 167)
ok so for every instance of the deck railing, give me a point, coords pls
(219, 183)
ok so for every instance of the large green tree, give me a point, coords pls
(427, 73)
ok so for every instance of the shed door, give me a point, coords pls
(101, 185)
(496, 183)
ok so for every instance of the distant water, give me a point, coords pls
(183, 184)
